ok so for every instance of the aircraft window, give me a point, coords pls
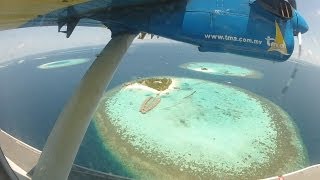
(149, 90)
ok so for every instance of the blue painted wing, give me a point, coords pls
(84, 11)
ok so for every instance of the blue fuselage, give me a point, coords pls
(240, 27)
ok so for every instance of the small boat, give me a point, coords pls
(149, 104)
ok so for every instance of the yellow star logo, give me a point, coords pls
(279, 44)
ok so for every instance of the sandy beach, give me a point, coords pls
(139, 86)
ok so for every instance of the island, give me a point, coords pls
(199, 130)
(159, 84)
(220, 69)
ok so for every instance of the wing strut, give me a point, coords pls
(66, 136)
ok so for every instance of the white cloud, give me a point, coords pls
(310, 52)
(21, 45)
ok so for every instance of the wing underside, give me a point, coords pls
(30, 13)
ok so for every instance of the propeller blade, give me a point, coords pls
(295, 69)
(300, 43)
(292, 77)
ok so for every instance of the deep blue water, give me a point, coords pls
(31, 98)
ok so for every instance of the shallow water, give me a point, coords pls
(62, 63)
(222, 69)
(202, 129)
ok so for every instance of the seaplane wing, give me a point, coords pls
(29, 13)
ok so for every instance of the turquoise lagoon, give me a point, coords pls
(200, 129)
(222, 69)
(63, 63)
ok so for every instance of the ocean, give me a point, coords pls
(31, 98)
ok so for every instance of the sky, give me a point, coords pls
(18, 43)
(310, 10)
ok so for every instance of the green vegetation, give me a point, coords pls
(160, 84)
